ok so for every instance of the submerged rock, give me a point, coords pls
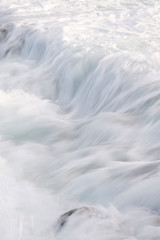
(77, 213)
(5, 29)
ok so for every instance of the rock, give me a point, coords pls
(5, 30)
(77, 212)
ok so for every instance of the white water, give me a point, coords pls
(80, 119)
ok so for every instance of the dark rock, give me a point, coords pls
(64, 218)
(5, 30)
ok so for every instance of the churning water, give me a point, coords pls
(80, 119)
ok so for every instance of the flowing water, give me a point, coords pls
(80, 119)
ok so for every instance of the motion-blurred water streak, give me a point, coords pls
(79, 120)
